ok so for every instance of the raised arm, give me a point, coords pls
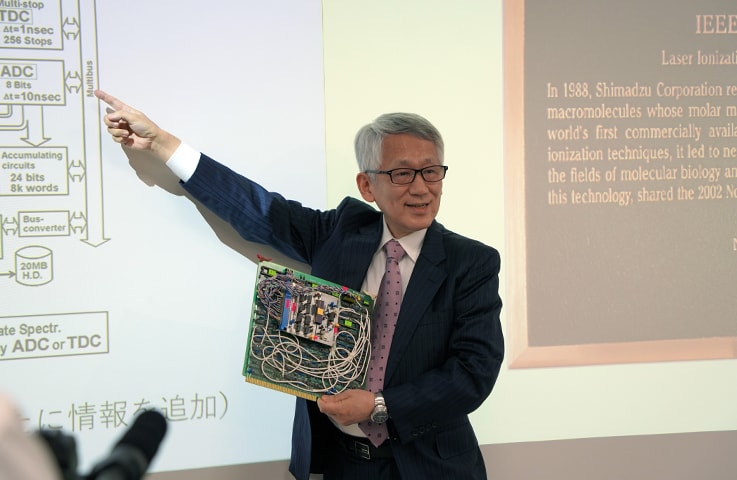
(132, 129)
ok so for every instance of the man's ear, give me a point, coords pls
(364, 186)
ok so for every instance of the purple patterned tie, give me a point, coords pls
(386, 312)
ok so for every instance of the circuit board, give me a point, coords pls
(307, 336)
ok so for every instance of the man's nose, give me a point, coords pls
(418, 184)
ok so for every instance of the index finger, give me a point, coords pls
(110, 100)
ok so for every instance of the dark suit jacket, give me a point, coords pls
(447, 348)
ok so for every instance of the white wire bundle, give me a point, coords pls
(288, 356)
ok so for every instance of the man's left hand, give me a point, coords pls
(348, 407)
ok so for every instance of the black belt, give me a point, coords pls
(362, 448)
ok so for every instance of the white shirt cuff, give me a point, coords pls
(184, 161)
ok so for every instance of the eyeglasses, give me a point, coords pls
(405, 176)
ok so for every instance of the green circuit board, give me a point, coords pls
(308, 337)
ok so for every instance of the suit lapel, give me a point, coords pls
(356, 249)
(426, 279)
(361, 247)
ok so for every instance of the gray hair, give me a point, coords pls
(370, 137)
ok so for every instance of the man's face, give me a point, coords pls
(407, 208)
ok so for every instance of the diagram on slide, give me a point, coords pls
(50, 173)
(50, 158)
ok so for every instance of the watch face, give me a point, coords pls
(379, 414)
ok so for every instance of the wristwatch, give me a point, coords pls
(380, 413)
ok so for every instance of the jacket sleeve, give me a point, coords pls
(256, 214)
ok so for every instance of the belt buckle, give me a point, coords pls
(362, 450)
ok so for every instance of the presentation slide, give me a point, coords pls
(628, 184)
(117, 292)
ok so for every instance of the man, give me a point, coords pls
(447, 348)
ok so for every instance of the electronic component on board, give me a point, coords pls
(307, 336)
